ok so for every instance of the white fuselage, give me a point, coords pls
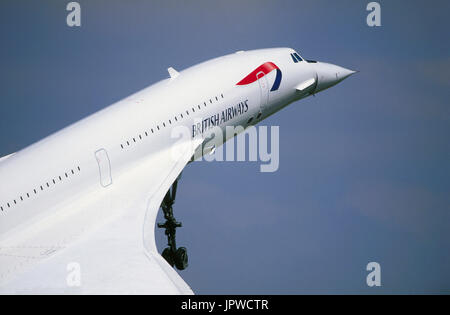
(41, 178)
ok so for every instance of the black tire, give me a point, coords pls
(181, 258)
(168, 256)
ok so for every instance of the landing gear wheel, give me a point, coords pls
(167, 255)
(181, 258)
(172, 254)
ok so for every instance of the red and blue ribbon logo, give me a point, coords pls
(265, 68)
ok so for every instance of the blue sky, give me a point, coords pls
(364, 167)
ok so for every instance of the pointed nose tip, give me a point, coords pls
(329, 75)
(344, 73)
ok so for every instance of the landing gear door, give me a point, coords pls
(264, 87)
(104, 167)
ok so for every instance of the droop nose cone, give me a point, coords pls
(329, 75)
(344, 73)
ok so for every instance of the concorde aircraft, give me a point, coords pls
(78, 208)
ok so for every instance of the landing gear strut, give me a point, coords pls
(172, 254)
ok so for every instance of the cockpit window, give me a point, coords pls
(298, 57)
(293, 58)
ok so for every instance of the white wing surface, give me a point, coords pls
(101, 242)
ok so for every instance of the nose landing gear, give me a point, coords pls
(172, 254)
